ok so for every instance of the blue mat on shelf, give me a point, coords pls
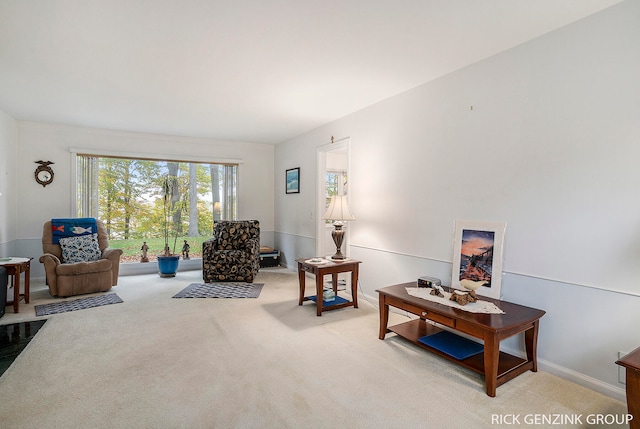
(338, 300)
(452, 344)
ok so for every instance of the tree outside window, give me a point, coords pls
(126, 194)
(335, 184)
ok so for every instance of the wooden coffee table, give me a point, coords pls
(320, 270)
(496, 366)
(631, 362)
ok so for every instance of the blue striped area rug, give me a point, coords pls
(77, 304)
(221, 290)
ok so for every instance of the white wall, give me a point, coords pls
(39, 141)
(545, 137)
(295, 220)
(8, 155)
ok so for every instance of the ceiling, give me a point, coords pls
(247, 70)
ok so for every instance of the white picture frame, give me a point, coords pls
(477, 255)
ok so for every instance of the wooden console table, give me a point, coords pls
(16, 266)
(496, 366)
(631, 362)
(320, 270)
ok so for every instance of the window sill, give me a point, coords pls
(136, 268)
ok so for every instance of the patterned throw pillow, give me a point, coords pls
(83, 248)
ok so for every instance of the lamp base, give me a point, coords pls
(338, 257)
(338, 236)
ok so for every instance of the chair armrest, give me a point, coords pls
(50, 263)
(254, 250)
(208, 247)
(49, 259)
(226, 256)
(112, 254)
(253, 245)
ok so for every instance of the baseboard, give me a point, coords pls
(577, 377)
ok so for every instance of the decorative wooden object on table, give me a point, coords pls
(497, 367)
(319, 270)
(631, 362)
(16, 266)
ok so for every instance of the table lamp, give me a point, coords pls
(217, 210)
(338, 212)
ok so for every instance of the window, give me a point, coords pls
(126, 194)
(335, 184)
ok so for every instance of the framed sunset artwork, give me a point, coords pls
(477, 255)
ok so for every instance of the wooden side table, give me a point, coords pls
(631, 362)
(320, 270)
(16, 266)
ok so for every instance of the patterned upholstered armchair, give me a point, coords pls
(233, 254)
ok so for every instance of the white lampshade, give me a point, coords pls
(338, 209)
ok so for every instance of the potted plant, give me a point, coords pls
(168, 260)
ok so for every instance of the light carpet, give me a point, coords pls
(157, 362)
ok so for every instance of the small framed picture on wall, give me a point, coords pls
(292, 178)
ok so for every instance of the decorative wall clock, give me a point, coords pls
(44, 173)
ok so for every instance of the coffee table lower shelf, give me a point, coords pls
(509, 366)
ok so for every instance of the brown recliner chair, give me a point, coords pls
(66, 279)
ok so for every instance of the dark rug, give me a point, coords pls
(14, 338)
(77, 304)
(221, 290)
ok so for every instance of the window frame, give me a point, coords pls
(341, 185)
(76, 169)
(75, 152)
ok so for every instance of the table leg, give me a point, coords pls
(301, 281)
(334, 282)
(354, 286)
(491, 358)
(633, 396)
(319, 292)
(531, 344)
(384, 317)
(16, 291)
(27, 282)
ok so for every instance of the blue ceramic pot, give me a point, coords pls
(168, 265)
